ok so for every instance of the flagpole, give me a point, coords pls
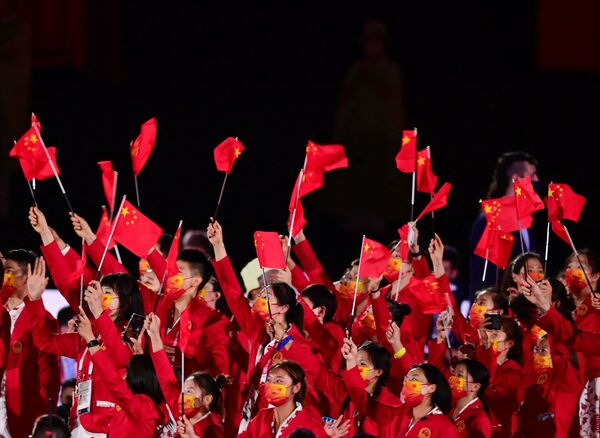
(137, 190)
(519, 221)
(485, 265)
(352, 315)
(547, 244)
(293, 219)
(31, 190)
(182, 377)
(118, 254)
(587, 280)
(414, 181)
(220, 196)
(267, 292)
(114, 196)
(60, 184)
(431, 194)
(160, 288)
(81, 283)
(110, 236)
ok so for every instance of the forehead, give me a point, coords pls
(461, 370)
(363, 356)
(11, 265)
(416, 374)
(279, 373)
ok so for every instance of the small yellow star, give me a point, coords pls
(33, 138)
(488, 209)
(518, 191)
(237, 152)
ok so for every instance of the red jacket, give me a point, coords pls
(434, 425)
(135, 414)
(261, 426)
(32, 376)
(71, 345)
(473, 422)
(313, 268)
(326, 339)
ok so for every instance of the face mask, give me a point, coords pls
(411, 393)
(106, 300)
(494, 345)
(347, 289)
(541, 363)
(537, 333)
(175, 288)
(261, 308)
(191, 405)
(477, 314)
(144, 266)
(392, 270)
(575, 279)
(8, 286)
(275, 394)
(364, 373)
(366, 324)
(536, 276)
(458, 385)
(202, 294)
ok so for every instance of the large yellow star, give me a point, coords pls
(237, 152)
(488, 209)
(421, 161)
(518, 191)
(125, 211)
(33, 138)
(405, 140)
(367, 247)
(550, 192)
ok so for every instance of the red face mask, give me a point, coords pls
(175, 288)
(261, 308)
(477, 314)
(275, 394)
(392, 271)
(575, 279)
(536, 276)
(458, 385)
(8, 286)
(411, 393)
(191, 405)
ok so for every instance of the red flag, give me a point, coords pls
(36, 123)
(268, 250)
(407, 157)
(33, 159)
(373, 259)
(174, 281)
(495, 246)
(502, 214)
(142, 146)
(564, 203)
(227, 152)
(311, 181)
(109, 182)
(104, 228)
(426, 179)
(429, 295)
(527, 200)
(135, 231)
(79, 266)
(403, 232)
(559, 230)
(299, 219)
(439, 200)
(323, 158)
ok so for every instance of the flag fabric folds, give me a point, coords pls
(527, 201)
(226, 153)
(109, 182)
(268, 250)
(439, 200)
(407, 157)
(564, 203)
(495, 246)
(135, 231)
(34, 161)
(426, 179)
(373, 259)
(142, 146)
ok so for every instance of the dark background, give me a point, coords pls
(477, 80)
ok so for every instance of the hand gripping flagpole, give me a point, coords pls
(587, 280)
(110, 236)
(60, 184)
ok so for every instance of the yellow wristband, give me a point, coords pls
(398, 354)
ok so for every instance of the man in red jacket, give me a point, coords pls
(31, 377)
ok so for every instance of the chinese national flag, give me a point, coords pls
(323, 158)
(404, 232)
(299, 220)
(33, 159)
(172, 269)
(527, 200)
(268, 250)
(439, 200)
(495, 246)
(559, 229)
(104, 229)
(426, 179)
(311, 181)
(36, 123)
(373, 259)
(429, 295)
(502, 213)
(227, 152)
(109, 182)
(564, 203)
(407, 157)
(142, 146)
(135, 231)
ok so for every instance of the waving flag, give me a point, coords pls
(426, 179)
(439, 200)
(564, 203)
(407, 157)
(142, 146)
(268, 250)
(527, 200)
(227, 152)
(135, 231)
(374, 259)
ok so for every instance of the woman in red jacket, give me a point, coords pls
(468, 384)
(202, 397)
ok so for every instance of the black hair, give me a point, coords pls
(593, 261)
(210, 386)
(500, 301)
(64, 315)
(22, 257)
(141, 378)
(297, 374)
(221, 303)
(130, 299)
(199, 264)
(50, 425)
(508, 163)
(302, 433)
(452, 255)
(442, 396)
(381, 359)
(399, 311)
(566, 304)
(286, 295)
(513, 333)
(480, 374)
(69, 383)
(515, 267)
(524, 310)
(320, 295)
(164, 244)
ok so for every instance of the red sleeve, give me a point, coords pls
(507, 386)
(166, 378)
(299, 278)
(115, 380)
(382, 316)
(111, 337)
(463, 331)
(364, 404)
(400, 368)
(46, 339)
(329, 343)
(586, 342)
(311, 264)
(216, 341)
(111, 265)
(420, 267)
(4, 336)
(47, 362)
(437, 353)
(236, 300)
(157, 263)
(556, 325)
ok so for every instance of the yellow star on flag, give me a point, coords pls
(367, 247)
(405, 140)
(125, 211)
(421, 161)
(488, 209)
(33, 138)
(518, 191)
(550, 192)
(237, 152)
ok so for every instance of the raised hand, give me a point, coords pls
(337, 429)
(185, 428)
(393, 336)
(413, 240)
(436, 252)
(36, 279)
(39, 224)
(349, 352)
(215, 237)
(443, 325)
(84, 326)
(533, 292)
(82, 228)
(152, 327)
(283, 276)
(93, 296)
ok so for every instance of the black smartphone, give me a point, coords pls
(495, 321)
(134, 327)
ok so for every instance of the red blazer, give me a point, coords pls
(261, 426)
(209, 426)
(433, 425)
(313, 268)
(135, 414)
(473, 422)
(32, 376)
(71, 345)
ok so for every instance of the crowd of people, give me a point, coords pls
(283, 356)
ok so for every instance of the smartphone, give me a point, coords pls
(495, 323)
(134, 327)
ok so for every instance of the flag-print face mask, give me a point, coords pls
(575, 279)
(477, 314)
(275, 394)
(8, 286)
(458, 386)
(191, 405)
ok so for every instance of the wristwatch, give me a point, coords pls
(93, 343)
